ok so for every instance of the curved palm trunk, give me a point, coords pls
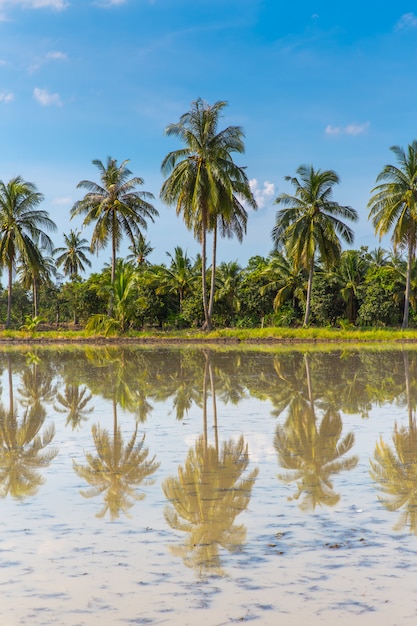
(213, 275)
(407, 285)
(309, 287)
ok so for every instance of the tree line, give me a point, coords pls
(306, 279)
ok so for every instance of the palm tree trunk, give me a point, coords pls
(113, 269)
(207, 321)
(407, 285)
(213, 274)
(9, 296)
(35, 296)
(309, 287)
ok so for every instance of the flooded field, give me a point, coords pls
(208, 486)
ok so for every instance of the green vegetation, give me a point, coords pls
(306, 288)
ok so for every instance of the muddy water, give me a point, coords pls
(187, 486)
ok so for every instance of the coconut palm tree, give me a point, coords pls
(393, 207)
(32, 276)
(115, 206)
(22, 234)
(179, 278)
(140, 249)
(73, 255)
(203, 180)
(310, 222)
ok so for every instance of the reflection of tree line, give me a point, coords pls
(311, 389)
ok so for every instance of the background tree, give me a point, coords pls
(309, 222)
(72, 257)
(115, 207)
(393, 206)
(21, 234)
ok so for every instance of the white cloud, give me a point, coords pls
(54, 55)
(63, 201)
(34, 4)
(408, 20)
(45, 98)
(262, 194)
(351, 129)
(6, 96)
(109, 3)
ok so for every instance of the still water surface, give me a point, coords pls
(211, 487)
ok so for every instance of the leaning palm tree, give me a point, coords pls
(393, 207)
(21, 234)
(115, 206)
(73, 255)
(203, 181)
(310, 222)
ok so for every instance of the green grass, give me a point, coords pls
(258, 335)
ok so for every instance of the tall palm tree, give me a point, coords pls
(73, 255)
(203, 181)
(310, 222)
(393, 207)
(115, 206)
(22, 232)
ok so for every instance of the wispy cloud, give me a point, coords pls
(406, 21)
(34, 4)
(45, 98)
(109, 3)
(264, 194)
(351, 129)
(6, 96)
(54, 55)
(62, 201)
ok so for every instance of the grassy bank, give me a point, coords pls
(258, 335)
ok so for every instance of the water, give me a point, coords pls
(184, 485)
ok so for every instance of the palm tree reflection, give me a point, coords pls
(74, 401)
(395, 470)
(208, 494)
(116, 471)
(312, 453)
(23, 447)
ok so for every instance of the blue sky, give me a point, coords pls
(313, 82)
